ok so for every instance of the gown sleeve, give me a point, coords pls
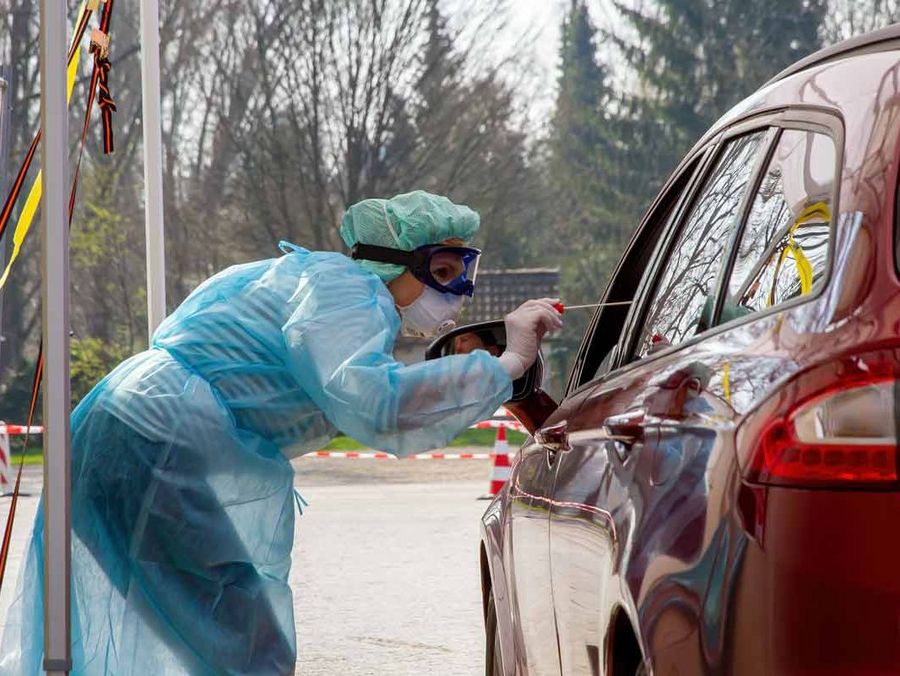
(340, 338)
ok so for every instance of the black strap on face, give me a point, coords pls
(383, 254)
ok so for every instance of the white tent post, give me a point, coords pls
(153, 189)
(55, 317)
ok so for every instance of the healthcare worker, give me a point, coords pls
(182, 489)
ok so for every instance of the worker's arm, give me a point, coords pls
(340, 339)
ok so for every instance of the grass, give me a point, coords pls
(486, 438)
(467, 438)
(30, 459)
(34, 452)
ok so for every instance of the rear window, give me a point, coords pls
(783, 252)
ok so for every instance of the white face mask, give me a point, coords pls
(430, 314)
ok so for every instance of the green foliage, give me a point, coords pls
(581, 135)
(107, 265)
(597, 202)
(91, 359)
(15, 394)
(100, 233)
(695, 59)
(579, 120)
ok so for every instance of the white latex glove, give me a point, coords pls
(525, 327)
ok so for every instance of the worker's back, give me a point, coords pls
(229, 332)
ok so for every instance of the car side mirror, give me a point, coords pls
(490, 337)
(530, 405)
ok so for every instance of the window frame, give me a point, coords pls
(668, 205)
(676, 228)
(804, 117)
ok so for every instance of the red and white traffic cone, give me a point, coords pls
(500, 470)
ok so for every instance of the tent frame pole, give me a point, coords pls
(153, 167)
(55, 316)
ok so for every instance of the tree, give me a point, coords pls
(580, 133)
(594, 208)
(366, 99)
(695, 59)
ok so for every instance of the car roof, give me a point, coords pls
(883, 39)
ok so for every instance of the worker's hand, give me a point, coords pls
(525, 327)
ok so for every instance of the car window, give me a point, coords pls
(783, 253)
(600, 350)
(684, 295)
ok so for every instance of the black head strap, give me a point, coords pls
(382, 254)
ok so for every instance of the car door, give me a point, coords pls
(527, 552)
(527, 536)
(622, 477)
(686, 544)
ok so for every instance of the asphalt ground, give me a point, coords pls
(385, 573)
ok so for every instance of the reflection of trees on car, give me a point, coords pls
(784, 246)
(697, 256)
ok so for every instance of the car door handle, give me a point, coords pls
(626, 428)
(554, 438)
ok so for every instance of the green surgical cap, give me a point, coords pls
(418, 218)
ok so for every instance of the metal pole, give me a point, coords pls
(153, 187)
(55, 316)
(5, 112)
(5, 123)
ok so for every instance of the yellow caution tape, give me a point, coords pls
(818, 211)
(23, 225)
(726, 386)
(814, 212)
(804, 269)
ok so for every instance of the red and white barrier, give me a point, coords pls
(450, 456)
(501, 420)
(372, 455)
(6, 431)
(352, 455)
(13, 430)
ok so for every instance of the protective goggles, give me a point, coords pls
(448, 269)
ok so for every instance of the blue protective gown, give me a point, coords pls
(182, 489)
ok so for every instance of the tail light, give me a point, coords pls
(835, 426)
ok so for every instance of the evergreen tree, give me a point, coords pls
(577, 147)
(593, 204)
(695, 59)
(440, 68)
(582, 91)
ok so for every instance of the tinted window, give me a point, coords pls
(631, 273)
(783, 253)
(685, 290)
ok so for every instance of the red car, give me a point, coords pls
(717, 493)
